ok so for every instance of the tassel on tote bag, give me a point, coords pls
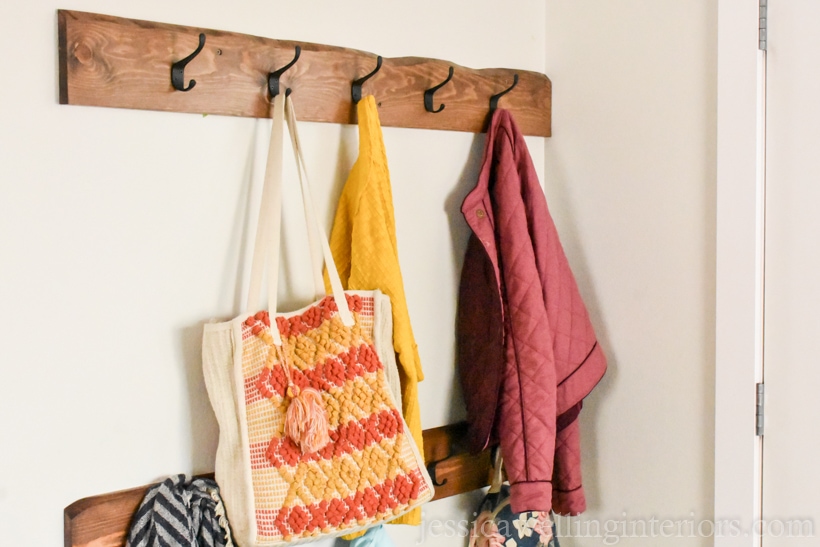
(311, 439)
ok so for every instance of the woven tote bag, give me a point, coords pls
(312, 442)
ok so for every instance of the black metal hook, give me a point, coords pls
(273, 77)
(428, 95)
(356, 87)
(431, 470)
(494, 98)
(178, 68)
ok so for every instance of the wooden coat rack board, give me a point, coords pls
(103, 521)
(126, 63)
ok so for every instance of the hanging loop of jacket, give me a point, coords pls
(527, 352)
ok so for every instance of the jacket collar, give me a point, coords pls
(477, 207)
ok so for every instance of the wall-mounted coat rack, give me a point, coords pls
(103, 521)
(127, 63)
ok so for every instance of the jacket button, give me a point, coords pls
(479, 213)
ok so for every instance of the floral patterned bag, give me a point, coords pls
(497, 526)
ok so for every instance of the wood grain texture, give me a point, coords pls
(442, 442)
(462, 473)
(455, 470)
(104, 520)
(126, 63)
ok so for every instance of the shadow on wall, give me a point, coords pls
(204, 432)
(593, 403)
(459, 234)
(238, 253)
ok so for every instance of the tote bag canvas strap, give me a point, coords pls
(314, 226)
(307, 197)
(269, 227)
(270, 211)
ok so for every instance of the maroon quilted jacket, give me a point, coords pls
(526, 348)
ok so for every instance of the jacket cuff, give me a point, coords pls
(531, 496)
(568, 492)
(570, 503)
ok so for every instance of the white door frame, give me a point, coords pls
(738, 276)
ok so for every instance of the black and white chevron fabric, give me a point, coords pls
(178, 513)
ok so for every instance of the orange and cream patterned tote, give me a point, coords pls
(311, 438)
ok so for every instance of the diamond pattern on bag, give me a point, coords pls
(368, 471)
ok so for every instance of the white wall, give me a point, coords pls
(630, 178)
(121, 233)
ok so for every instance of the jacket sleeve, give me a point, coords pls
(527, 411)
(363, 243)
(567, 490)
